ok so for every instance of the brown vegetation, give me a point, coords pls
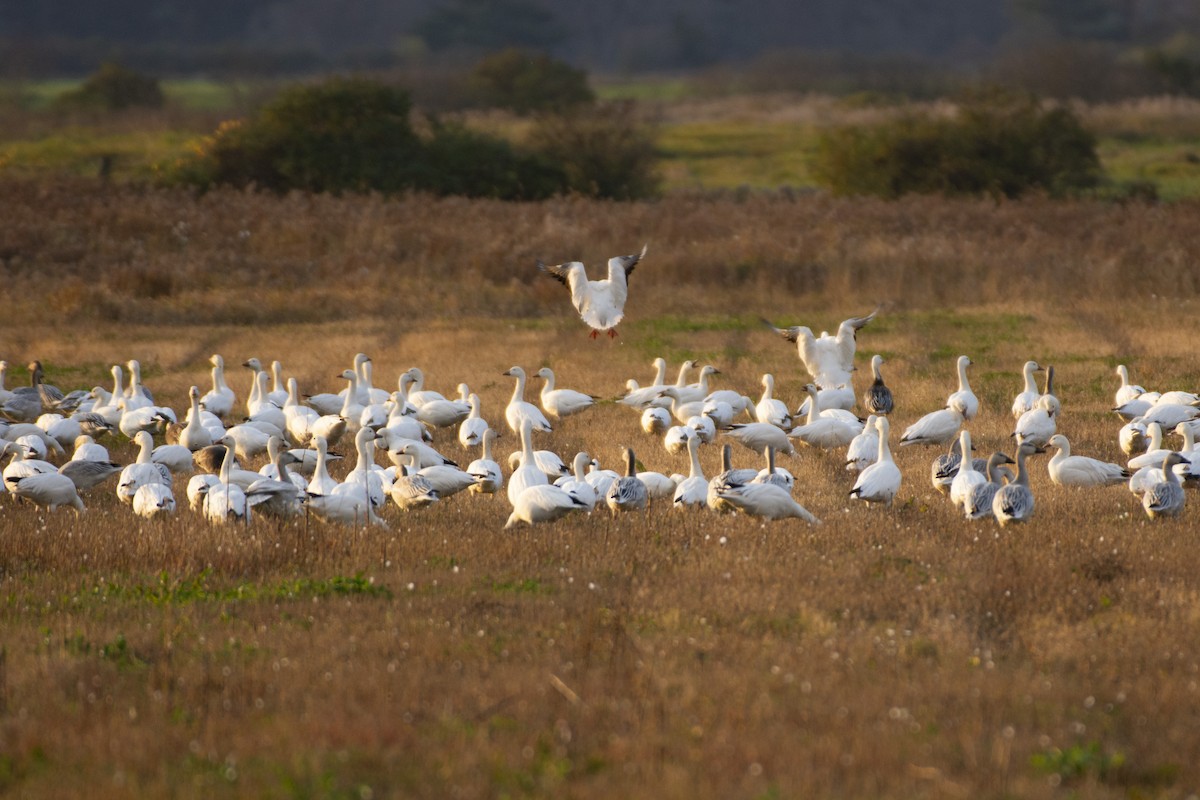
(886, 653)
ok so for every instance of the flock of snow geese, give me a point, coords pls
(295, 434)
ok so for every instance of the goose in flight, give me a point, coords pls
(829, 359)
(601, 304)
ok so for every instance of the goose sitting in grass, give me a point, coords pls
(344, 509)
(627, 493)
(1068, 470)
(559, 403)
(728, 476)
(576, 484)
(543, 503)
(642, 397)
(978, 502)
(880, 482)
(144, 470)
(656, 420)
(48, 490)
(1013, 501)
(600, 303)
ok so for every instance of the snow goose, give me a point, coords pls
(48, 490)
(1154, 453)
(559, 403)
(362, 480)
(344, 509)
(418, 395)
(425, 455)
(368, 393)
(443, 413)
(528, 473)
(1132, 437)
(698, 391)
(1126, 391)
(447, 480)
(153, 500)
(937, 427)
(1013, 501)
(549, 462)
(1028, 396)
(656, 420)
(142, 471)
(136, 387)
(877, 399)
(720, 413)
(197, 489)
(413, 491)
(692, 491)
(770, 410)
(682, 410)
(822, 431)
(1055, 405)
(676, 439)
(828, 359)
(704, 427)
(194, 435)
(543, 503)
(765, 500)
(276, 497)
(220, 399)
(965, 395)
(486, 472)
(978, 502)
(728, 476)
(757, 435)
(1169, 415)
(321, 482)
(600, 303)
(247, 440)
(175, 457)
(266, 411)
(773, 474)
(145, 418)
(643, 396)
(576, 484)
(86, 449)
(519, 410)
(1036, 425)
(278, 457)
(35, 446)
(657, 484)
(601, 479)
(472, 429)
(5, 394)
(967, 477)
(627, 493)
(89, 474)
(880, 482)
(864, 448)
(1165, 498)
(1068, 470)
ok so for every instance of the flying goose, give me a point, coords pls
(829, 359)
(600, 303)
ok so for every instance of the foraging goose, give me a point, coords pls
(1165, 498)
(1013, 501)
(153, 500)
(765, 500)
(863, 449)
(543, 503)
(676, 439)
(519, 410)
(692, 491)
(49, 490)
(1029, 395)
(600, 303)
(656, 420)
(1126, 391)
(473, 428)
(226, 502)
(559, 403)
(937, 427)
(220, 399)
(773, 474)
(757, 435)
(344, 509)
(978, 502)
(1036, 425)
(486, 472)
(967, 477)
(627, 493)
(142, 471)
(966, 397)
(89, 474)
(822, 430)
(1133, 437)
(880, 482)
(728, 476)
(768, 409)
(877, 399)
(1068, 470)
(829, 359)
(528, 473)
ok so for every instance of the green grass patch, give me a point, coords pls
(1171, 165)
(79, 152)
(734, 153)
(167, 590)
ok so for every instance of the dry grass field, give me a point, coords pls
(892, 652)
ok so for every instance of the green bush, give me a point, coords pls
(999, 144)
(528, 82)
(459, 161)
(603, 151)
(114, 88)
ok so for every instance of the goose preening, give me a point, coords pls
(765, 500)
(937, 427)
(964, 395)
(600, 303)
(1165, 498)
(829, 359)
(559, 403)
(519, 410)
(978, 502)
(1126, 391)
(769, 409)
(676, 439)
(1068, 470)
(1013, 501)
(627, 493)
(485, 470)
(880, 482)
(153, 500)
(656, 420)
(543, 503)
(967, 477)
(1028, 396)
(877, 399)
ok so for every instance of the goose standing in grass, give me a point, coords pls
(692, 491)
(773, 474)
(728, 476)
(627, 493)
(321, 482)
(225, 501)
(278, 496)
(877, 399)
(20, 466)
(880, 482)
(656, 420)
(682, 410)
(1036, 425)
(194, 435)
(1126, 391)
(543, 503)
(967, 477)
(1053, 404)
(937, 427)
(600, 303)
(48, 490)
(828, 359)
(473, 428)
(414, 491)
(559, 403)
(1028, 396)
(220, 399)
(527, 473)
(519, 410)
(699, 391)
(770, 410)
(153, 500)
(978, 502)
(1014, 500)
(965, 395)
(364, 479)
(576, 484)
(863, 449)
(822, 430)
(344, 509)
(1165, 498)
(644, 396)
(757, 435)
(1068, 470)
(765, 500)
(142, 471)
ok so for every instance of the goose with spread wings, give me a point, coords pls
(601, 304)
(829, 359)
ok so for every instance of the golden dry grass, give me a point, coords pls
(885, 653)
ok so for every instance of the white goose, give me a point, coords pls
(1068, 470)
(757, 435)
(1126, 391)
(770, 410)
(194, 435)
(765, 500)
(1028, 396)
(968, 400)
(937, 427)
(1036, 425)
(473, 428)
(576, 484)
(692, 491)
(344, 509)
(880, 482)
(364, 480)
(656, 420)
(863, 449)
(153, 500)
(829, 359)
(225, 501)
(48, 490)
(321, 482)
(824, 431)
(559, 403)
(601, 303)
(527, 474)
(220, 399)
(644, 396)
(142, 471)
(967, 477)
(543, 503)
(1165, 498)
(519, 410)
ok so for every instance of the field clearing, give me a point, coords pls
(884, 653)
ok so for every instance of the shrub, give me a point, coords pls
(603, 152)
(528, 82)
(114, 88)
(464, 162)
(1000, 144)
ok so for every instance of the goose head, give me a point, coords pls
(253, 363)
(515, 372)
(217, 361)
